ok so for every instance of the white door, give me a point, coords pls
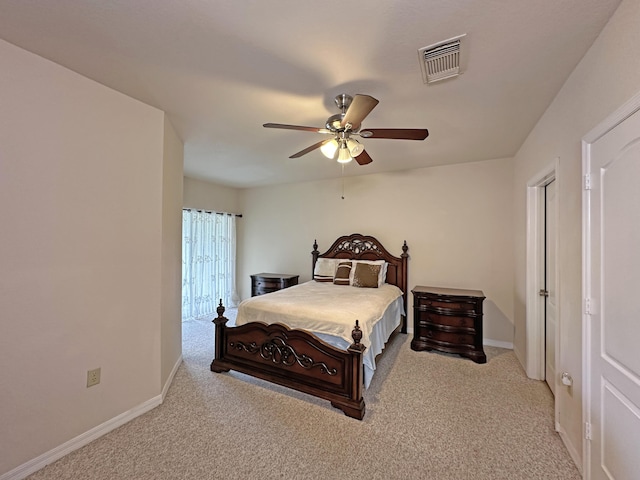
(612, 303)
(551, 298)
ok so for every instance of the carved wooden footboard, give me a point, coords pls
(293, 358)
(298, 359)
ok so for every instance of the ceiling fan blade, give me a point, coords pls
(360, 107)
(310, 149)
(396, 133)
(296, 127)
(363, 158)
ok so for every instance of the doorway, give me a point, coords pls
(548, 291)
(542, 327)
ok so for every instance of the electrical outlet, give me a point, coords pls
(93, 377)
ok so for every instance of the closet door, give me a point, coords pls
(612, 303)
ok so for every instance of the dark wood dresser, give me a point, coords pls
(448, 320)
(262, 283)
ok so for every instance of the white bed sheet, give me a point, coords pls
(382, 330)
(330, 311)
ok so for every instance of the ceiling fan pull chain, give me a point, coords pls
(342, 181)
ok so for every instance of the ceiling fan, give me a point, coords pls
(342, 127)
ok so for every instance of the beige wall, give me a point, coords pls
(457, 221)
(607, 76)
(171, 326)
(210, 196)
(81, 209)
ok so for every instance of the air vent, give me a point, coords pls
(441, 60)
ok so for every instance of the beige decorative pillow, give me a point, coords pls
(342, 273)
(366, 275)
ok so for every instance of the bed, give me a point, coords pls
(335, 366)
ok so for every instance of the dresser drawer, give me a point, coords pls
(459, 340)
(261, 291)
(267, 283)
(426, 302)
(430, 319)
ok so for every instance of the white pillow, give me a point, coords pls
(325, 269)
(382, 276)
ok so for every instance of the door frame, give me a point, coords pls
(620, 115)
(535, 325)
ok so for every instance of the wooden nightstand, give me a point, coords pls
(448, 320)
(262, 283)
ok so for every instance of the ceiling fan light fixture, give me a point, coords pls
(344, 156)
(329, 149)
(355, 147)
(340, 146)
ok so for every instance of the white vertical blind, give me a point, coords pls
(208, 262)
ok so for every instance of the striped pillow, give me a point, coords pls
(342, 273)
(325, 269)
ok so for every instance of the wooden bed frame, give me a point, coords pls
(298, 359)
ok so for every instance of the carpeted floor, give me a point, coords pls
(429, 416)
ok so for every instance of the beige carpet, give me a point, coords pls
(429, 416)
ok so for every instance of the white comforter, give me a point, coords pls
(322, 307)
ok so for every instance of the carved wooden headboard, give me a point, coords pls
(365, 247)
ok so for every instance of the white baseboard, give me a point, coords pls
(167, 384)
(57, 453)
(60, 451)
(520, 358)
(573, 452)
(497, 343)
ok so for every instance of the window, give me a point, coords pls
(208, 262)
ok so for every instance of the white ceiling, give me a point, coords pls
(222, 68)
